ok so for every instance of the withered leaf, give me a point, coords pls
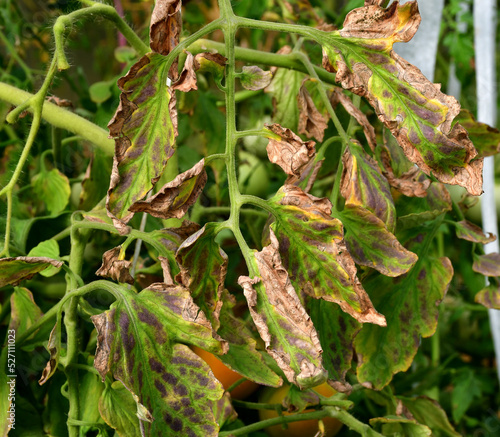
(371, 244)
(54, 348)
(214, 63)
(363, 184)
(358, 115)
(489, 297)
(471, 232)
(313, 251)
(203, 268)
(417, 113)
(15, 270)
(255, 78)
(175, 197)
(187, 78)
(410, 183)
(138, 343)
(311, 122)
(486, 139)
(487, 265)
(115, 268)
(282, 321)
(144, 127)
(165, 27)
(290, 152)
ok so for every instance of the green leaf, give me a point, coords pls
(144, 128)
(281, 319)
(119, 410)
(53, 189)
(54, 422)
(371, 244)
(410, 305)
(90, 389)
(243, 356)
(284, 89)
(24, 311)
(466, 388)
(137, 338)
(400, 427)
(100, 91)
(363, 184)
(487, 265)
(49, 249)
(489, 297)
(93, 186)
(486, 139)
(416, 112)
(428, 412)
(471, 232)
(313, 251)
(203, 268)
(15, 270)
(336, 331)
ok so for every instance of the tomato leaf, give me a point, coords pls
(15, 270)
(282, 321)
(487, 265)
(313, 250)
(416, 112)
(311, 122)
(489, 297)
(53, 189)
(137, 343)
(371, 244)
(400, 426)
(115, 267)
(486, 139)
(254, 78)
(471, 232)
(410, 305)
(203, 268)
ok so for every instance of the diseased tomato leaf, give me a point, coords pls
(489, 297)
(243, 355)
(364, 185)
(114, 267)
(137, 343)
(289, 152)
(371, 244)
(487, 265)
(15, 270)
(416, 112)
(213, 63)
(175, 197)
(313, 250)
(311, 122)
(410, 305)
(471, 232)
(203, 268)
(336, 331)
(118, 409)
(54, 349)
(144, 128)
(166, 26)
(486, 139)
(255, 78)
(282, 321)
(413, 211)
(284, 88)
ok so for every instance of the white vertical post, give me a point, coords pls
(421, 50)
(484, 41)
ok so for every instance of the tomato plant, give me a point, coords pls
(260, 184)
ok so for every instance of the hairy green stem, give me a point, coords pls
(62, 118)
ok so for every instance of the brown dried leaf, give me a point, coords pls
(282, 321)
(290, 153)
(358, 115)
(311, 122)
(187, 78)
(410, 183)
(166, 25)
(175, 197)
(115, 268)
(53, 346)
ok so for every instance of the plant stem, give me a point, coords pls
(263, 58)
(62, 118)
